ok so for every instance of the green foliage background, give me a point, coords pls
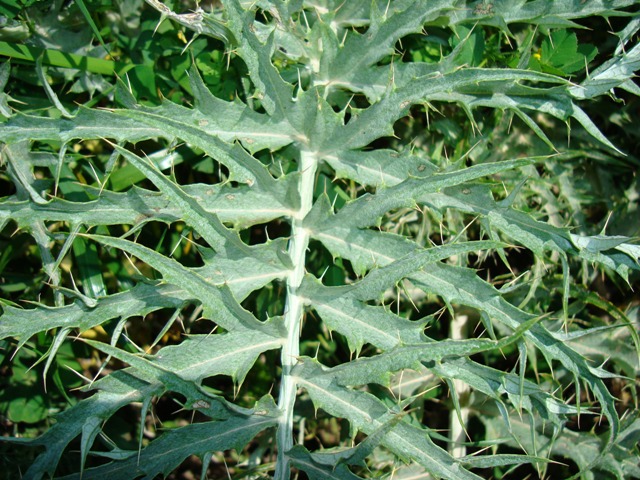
(539, 203)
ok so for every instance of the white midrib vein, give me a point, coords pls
(259, 347)
(340, 313)
(393, 180)
(327, 394)
(294, 309)
(375, 254)
(218, 436)
(369, 424)
(275, 274)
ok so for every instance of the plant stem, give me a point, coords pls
(457, 424)
(293, 312)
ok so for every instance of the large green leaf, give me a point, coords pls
(167, 452)
(325, 88)
(367, 413)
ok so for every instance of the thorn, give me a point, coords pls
(606, 223)
(195, 35)
(163, 17)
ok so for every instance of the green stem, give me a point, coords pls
(293, 313)
(56, 58)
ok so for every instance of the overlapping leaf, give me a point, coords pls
(307, 121)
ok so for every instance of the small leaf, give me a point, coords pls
(561, 55)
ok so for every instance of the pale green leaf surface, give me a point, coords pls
(354, 14)
(495, 88)
(90, 431)
(236, 205)
(535, 235)
(462, 286)
(136, 384)
(201, 130)
(494, 383)
(18, 159)
(632, 250)
(374, 82)
(329, 54)
(341, 311)
(379, 168)
(384, 277)
(209, 226)
(276, 95)
(232, 121)
(142, 299)
(316, 470)
(409, 472)
(393, 21)
(200, 22)
(555, 102)
(614, 73)
(163, 455)
(344, 309)
(356, 455)
(116, 390)
(378, 369)
(478, 199)
(364, 248)
(85, 124)
(406, 383)
(468, 83)
(243, 275)
(616, 348)
(599, 244)
(202, 356)
(368, 249)
(217, 300)
(488, 461)
(368, 209)
(5, 70)
(367, 413)
(179, 367)
(580, 447)
(387, 24)
(539, 12)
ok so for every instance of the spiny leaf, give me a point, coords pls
(85, 124)
(614, 73)
(580, 447)
(274, 94)
(378, 369)
(367, 210)
(230, 204)
(198, 357)
(316, 470)
(163, 455)
(535, 235)
(367, 413)
(341, 311)
(211, 229)
(212, 126)
(142, 299)
(488, 461)
(457, 285)
(217, 300)
(326, 83)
